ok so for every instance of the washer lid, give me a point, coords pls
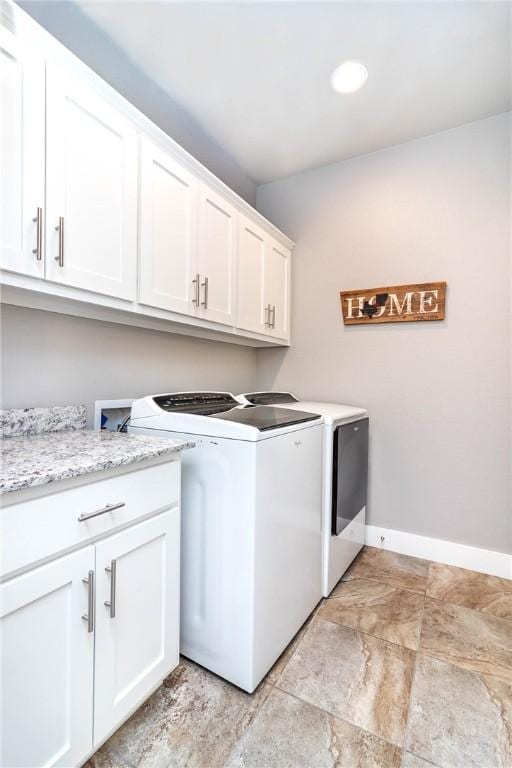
(265, 417)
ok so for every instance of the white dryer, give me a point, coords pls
(345, 478)
(251, 526)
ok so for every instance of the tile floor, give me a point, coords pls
(407, 665)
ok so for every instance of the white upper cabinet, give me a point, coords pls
(277, 288)
(137, 616)
(168, 231)
(252, 313)
(263, 282)
(104, 208)
(91, 190)
(216, 261)
(47, 664)
(21, 156)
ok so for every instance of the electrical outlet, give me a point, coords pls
(382, 540)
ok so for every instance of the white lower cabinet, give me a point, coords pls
(47, 665)
(137, 617)
(85, 639)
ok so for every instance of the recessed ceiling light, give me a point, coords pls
(349, 77)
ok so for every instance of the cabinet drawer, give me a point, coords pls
(40, 528)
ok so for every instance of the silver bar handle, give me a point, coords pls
(205, 286)
(60, 230)
(267, 320)
(107, 508)
(274, 316)
(196, 283)
(89, 616)
(112, 569)
(38, 250)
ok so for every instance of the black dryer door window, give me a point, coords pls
(349, 473)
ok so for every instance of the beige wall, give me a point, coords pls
(52, 359)
(438, 393)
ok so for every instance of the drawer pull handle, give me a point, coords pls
(197, 287)
(89, 616)
(38, 250)
(60, 230)
(102, 511)
(205, 286)
(112, 569)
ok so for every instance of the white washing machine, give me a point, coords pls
(345, 478)
(251, 526)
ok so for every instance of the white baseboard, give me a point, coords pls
(440, 551)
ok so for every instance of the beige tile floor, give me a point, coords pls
(407, 665)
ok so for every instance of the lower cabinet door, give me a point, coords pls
(47, 665)
(137, 615)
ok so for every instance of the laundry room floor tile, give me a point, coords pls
(340, 694)
(354, 676)
(288, 733)
(413, 761)
(467, 638)
(194, 719)
(400, 571)
(459, 719)
(378, 609)
(489, 594)
(277, 670)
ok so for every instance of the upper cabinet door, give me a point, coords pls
(216, 257)
(91, 233)
(252, 313)
(47, 664)
(277, 288)
(21, 156)
(168, 257)
(137, 617)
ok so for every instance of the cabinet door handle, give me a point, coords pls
(89, 616)
(112, 569)
(60, 229)
(274, 316)
(205, 286)
(102, 511)
(38, 250)
(267, 316)
(196, 283)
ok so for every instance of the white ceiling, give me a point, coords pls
(256, 74)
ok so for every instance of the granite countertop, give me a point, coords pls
(36, 458)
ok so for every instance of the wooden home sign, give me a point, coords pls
(394, 304)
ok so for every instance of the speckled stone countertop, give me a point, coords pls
(31, 421)
(37, 459)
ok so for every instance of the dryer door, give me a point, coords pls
(350, 473)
